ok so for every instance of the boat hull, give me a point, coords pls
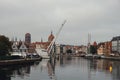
(43, 53)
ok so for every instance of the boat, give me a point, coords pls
(16, 54)
(45, 53)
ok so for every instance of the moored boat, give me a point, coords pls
(43, 53)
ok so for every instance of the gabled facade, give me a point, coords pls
(100, 50)
(15, 47)
(19, 46)
(23, 47)
(44, 45)
(104, 48)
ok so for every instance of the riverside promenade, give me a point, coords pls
(117, 58)
(111, 58)
(19, 61)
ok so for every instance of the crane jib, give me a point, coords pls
(54, 40)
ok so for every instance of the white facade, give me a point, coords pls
(100, 50)
(21, 51)
(38, 46)
(84, 49)
(23, 48)
(64, 49)
(116, 44)
(14, 47)
(60, 49)
(57, 48)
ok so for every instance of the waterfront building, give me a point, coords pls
(83, 49)
(104, 48)
(15, 47)
(69, 49)
(19, 48)
(28, 38)
(57, 49)
(116, 44)
(95, 44)
(31, 48)
(100, 50)
(45, 44)
(61, 49)
(23, 47)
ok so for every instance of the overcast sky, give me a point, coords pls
(100, 18)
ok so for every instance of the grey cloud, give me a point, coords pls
(101, 18)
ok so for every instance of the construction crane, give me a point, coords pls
(54, 40)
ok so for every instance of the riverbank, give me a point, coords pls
(103, 57)
(117, 58)
(18, 61)
(111, 58)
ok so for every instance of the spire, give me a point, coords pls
(16, 39)
(51, 37)
(41, 40)
(19, 39)
(51, 32)
(12, 39)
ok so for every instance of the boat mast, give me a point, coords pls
(53, 41)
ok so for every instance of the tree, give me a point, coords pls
(93, 49)
(69, 51)
(5, 45)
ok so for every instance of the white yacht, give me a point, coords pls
(43, 53)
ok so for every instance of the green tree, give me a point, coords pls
(93, 49)
(5, 45)
(69, 51)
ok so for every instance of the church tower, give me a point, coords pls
(28, 38)
(51, 37)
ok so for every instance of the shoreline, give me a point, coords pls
(18, 61)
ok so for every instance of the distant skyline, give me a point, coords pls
(100, 18)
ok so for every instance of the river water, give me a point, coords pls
(63, 68)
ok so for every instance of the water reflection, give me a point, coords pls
(101, 65)
(6, 72)
(106, 66)
(63, 68)
(51, 68)
(96, 68)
